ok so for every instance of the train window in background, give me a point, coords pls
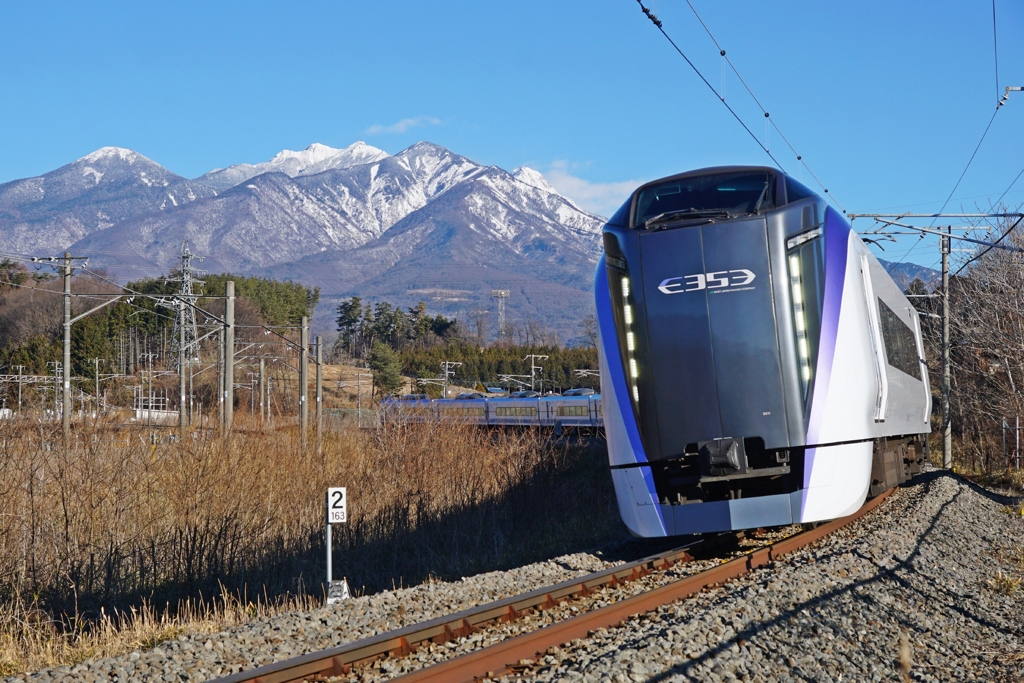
(900, 342)
(573, 411)
(518, 411)
(464, 412)
(699, 196)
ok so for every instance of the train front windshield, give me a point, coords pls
(732, 193)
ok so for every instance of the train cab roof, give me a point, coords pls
(708, 193)
(469, 396)
(582, 391)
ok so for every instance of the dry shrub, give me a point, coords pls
(114, 522)
(1004, 584)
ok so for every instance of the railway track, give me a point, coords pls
(513, 654)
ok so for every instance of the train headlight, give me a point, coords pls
(800, 320)
(633, 370)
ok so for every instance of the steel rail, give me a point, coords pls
(400, 642)
(501, 657)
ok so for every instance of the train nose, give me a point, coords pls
(714, 351)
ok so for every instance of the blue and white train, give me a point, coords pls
(759, 367)
(573, 409)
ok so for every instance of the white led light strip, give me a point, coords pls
(800, 319)
(627, 316)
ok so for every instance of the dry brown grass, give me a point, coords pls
(114, 523)
(1004, 584)
(32, 639)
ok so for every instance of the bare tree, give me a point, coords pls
(589, 327)
(986, 351)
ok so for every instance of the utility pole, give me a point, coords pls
(945, 242)
(501, 295)
(183, 363)
(263, 388)
(20, 369)
(96, 362)
(319, 393)
(446, 372)
(947, 432)
(359, 393)
(229, 354)
(533, 358)
(66, 408)
(303, 380)
(220, 376)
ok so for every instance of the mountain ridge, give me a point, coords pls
(355, 221)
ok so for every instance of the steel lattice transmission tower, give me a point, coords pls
(500, 295)
(187, 278)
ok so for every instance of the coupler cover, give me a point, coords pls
(722, 457)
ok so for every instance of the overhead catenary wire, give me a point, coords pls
(1007, 190)
(999, 104)
(988, 249)
(767, 116)
(995, 47)
(657, 22)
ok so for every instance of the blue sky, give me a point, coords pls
(884, 100)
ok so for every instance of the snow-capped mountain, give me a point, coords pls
(314, 159)
(50, 212)
(274, 219)
(413, 225)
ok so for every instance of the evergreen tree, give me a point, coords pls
(349, 321)
(386, 367)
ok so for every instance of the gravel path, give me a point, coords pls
(914, 586)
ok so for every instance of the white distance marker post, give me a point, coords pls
(337, 513)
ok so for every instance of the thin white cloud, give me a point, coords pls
(600, 198)
(404, 125)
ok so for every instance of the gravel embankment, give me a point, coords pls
(913, 586)
(922, 567)
(206, 656)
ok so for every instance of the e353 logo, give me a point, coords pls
(721, 279)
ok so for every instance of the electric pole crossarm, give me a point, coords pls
(899, 216)
(956, 237)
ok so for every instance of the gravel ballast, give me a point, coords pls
(922, 572)
(201, 657)
(920, 588)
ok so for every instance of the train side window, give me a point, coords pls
(900, 342)
(573, 411)
(516, 411)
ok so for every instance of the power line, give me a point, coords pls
(1008, 189)
(982, 253)
(995, 47)
(969, 161)
(657, 22)
(770, 120)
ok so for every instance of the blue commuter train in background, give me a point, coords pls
(759, 367)
(575, 408)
